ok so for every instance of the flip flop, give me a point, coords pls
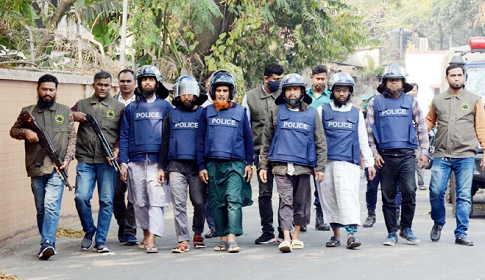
(142, 246)
(233, 248)
(297, 244)
(181, 248)
(333, 242)
(223, 245)
(151, 250)
(285, 247)
(353, 243)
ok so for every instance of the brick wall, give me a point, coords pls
(17, 210)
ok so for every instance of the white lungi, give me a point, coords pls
(340, 193)
(148, 196)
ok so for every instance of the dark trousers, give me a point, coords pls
(371, 192)
(123, 212)
(264, 198)
(399, 168)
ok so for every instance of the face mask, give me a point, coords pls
(274, 85)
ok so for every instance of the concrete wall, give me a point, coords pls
(17, 210)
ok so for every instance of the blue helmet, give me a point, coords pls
(151, 71)
(222, 78)
(341, 79)
(187, 85)
(292, 80)
(394, 71)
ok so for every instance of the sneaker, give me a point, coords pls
(100, 249)
(87, 242)
(464, 240)
(121, 235)
(303, 229)
(46, 251)
(391, 239)
(435, 234)
(371, 219)
(130, 240)
(211, 234)
(265, 238)
(407, 233)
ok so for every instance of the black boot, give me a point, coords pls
(371, 218)
(319, 223)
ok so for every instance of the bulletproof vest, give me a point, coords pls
(342, 133)
(394, 128)
(147, 126)
(108, 114)
(55, 122)
(183, 134)
(293, 140)
(224, 134)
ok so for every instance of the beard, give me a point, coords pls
(45, 104)
(455, 87)
(222, 104)
(392, 92)
(148, 93)
(340, 104)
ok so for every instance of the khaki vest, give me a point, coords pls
(55, 122)
(108, 114)
(260, 103)
(455, 117)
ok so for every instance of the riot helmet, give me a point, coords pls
(222, 78)
(292, 80)
(151, 71)
(341, 79)
(187, 85)
(394, 71)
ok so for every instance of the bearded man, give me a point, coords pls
(140, 142)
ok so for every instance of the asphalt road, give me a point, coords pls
(427, 260)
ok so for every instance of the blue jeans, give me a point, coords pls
(86, 177)
(440, 174)
(47, 190)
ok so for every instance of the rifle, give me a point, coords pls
(91, 120)
(47, 147)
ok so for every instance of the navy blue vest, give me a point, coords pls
(342, 133)
(394, 128)
(224, 135)
(293, 140)
(183, 134)
(147, 126)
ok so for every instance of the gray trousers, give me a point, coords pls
(295, 200)
(197, 194)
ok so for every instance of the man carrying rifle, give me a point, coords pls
(57, 122)
(93, 164)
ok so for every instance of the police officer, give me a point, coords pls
(140, 143)
(347, 139)
(177, 156)
(393, 139)
(294, 143)
(225, 158)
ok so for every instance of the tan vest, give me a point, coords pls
(108, 114)
(55, 122)
(455, 117)
(259, 103)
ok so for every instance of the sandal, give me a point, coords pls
(233, 248)
(142, 246)
(198, 241)
(333, 242)
(352, 243)
(285, 247)
(297, 244)
(181, 248)
(151, 250)
(223, 245)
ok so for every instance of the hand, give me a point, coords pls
(79, 116)
(116, 152)
(424, 161)
(31, 136)
(124, 173)
(161, 176)
(378, 161)
(65, 166)
(263, 175)
(319, 176)
(248, 172)
(371, 171)
(204, 176)
(482, 163)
